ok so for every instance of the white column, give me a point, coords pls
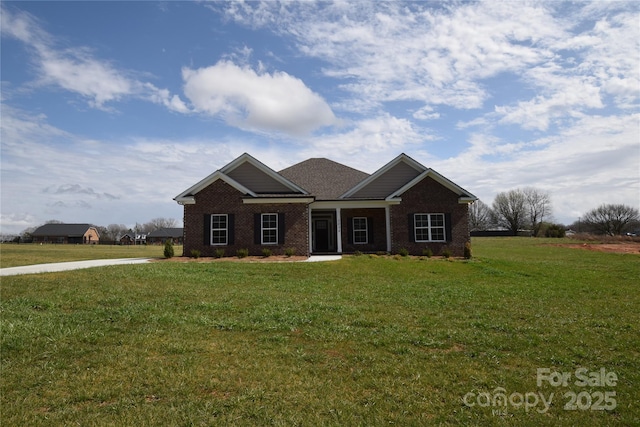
(310, 232)
(387, 217)
(339, 230)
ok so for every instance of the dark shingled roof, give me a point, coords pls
(166, 232)
(323, 178)
(67, 230)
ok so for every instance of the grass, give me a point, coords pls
(362, 341)
(14, 255)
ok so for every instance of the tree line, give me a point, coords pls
(530, 209)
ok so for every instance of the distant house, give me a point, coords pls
(133, 238)
(66, 233)
(320, 206)
(161, 235)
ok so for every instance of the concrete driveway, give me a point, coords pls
(77, 265)
(64, 266)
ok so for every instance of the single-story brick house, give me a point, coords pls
(66, 233)
(162, 234)
(320, 206)
(133, 238)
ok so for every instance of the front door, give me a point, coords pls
(322, 235)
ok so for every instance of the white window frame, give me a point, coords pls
(365, 229)
(430, 228)
(263, 228)
(225, 229)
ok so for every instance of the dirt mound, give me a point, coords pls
(621, 248)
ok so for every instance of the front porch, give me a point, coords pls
(347, 227)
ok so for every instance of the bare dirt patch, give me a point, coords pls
(621, 248)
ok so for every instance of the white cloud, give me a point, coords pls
(569, 55)
(368, 141)
(397, 51)
(593, 161)
(257, 101)
(76, 70)
(13, 224)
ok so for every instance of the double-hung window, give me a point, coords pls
(269, 228)
(429, 227)
(360, 231)
(219, 229)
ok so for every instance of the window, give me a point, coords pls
(429, 227)
(269, 229)
(219, 229)
(360, 231)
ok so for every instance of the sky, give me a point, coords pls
(111, 109)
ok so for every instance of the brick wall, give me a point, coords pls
(428, 196)
(222, 198)
(378, 235)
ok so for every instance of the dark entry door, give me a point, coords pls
(322, 235)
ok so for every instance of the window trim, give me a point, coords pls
(263, 229)
(429, 227)
(365, 229)
(226, 230)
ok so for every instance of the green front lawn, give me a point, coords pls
(362, 341)
(14, 255)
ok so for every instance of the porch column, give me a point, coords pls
(310, 232)
(339, 230)
(387, 218)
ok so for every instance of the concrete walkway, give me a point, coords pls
(77, 265)
(65, 266)
(319, 258)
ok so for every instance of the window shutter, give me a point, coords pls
(370, 230)
(257, 228)
(230, 229)
(447, 227)
(281, 230)
(350, 231)
(412, 231)
(206, 231)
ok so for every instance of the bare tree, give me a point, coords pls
(158, 223)
(539, 204)
(510, 210)
(611, 219)
(479, 216)
(116, 231)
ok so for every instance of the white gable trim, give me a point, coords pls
(466, 197)
(247, 158)
(401, 158)
(186, 197)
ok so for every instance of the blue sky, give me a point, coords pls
(111, 109)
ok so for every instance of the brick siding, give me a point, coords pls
(379, 234)
(222, 198)
(428, 196)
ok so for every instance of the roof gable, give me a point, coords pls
(386, 180)
(323, 178)
(464, 195)
(252, 173)
(247, 175)
(258, 180)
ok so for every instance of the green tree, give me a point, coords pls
(168, 248)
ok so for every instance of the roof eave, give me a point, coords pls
(187, 196)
